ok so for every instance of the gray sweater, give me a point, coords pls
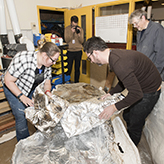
(152, 45)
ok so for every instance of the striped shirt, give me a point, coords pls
(23, 67)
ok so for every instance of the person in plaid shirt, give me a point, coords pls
(25, 72)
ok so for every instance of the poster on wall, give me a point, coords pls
(112, 29)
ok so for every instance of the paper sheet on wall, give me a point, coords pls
(113, 28)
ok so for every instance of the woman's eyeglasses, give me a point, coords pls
(53, 61)
(88, 58)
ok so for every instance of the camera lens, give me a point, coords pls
(77, 30)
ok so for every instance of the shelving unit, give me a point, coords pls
(59, 76)
(52, 22)
(6, 117)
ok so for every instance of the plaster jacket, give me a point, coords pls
(152, 45)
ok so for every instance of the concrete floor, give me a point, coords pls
(7, 148)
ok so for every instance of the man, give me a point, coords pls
(137, 74)
(150, 38)
(74, 36)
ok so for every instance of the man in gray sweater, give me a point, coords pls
(150, 38)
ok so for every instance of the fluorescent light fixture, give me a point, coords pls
(162, 4)
(154, 0)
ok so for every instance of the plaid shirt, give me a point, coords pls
(23, 67)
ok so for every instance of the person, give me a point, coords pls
(74, 37)
(150, 38)
(25, 72)
(137, 74)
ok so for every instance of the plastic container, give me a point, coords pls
(36, 38)
(53, 38)
(60, 41)
(48, 37)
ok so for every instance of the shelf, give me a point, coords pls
(7, 121)
(6, 117)
(52, 21)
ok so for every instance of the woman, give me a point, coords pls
(25, 72)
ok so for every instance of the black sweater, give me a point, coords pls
(136, 73)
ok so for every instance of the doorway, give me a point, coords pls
(52, 22)
(85, 16)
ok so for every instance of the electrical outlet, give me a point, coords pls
(33, 26)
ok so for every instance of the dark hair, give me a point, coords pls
(74, 19)
(94, 43)
(49, 48)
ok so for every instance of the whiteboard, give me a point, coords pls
(113, 28)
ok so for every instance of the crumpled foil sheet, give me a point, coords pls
(75, 133)
(47, 111)
(82, 117)
(93, 147)
(77, 104)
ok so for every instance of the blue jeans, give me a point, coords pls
(18, 112)
(136, 114)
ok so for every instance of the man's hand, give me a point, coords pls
(79, 30)
(107, 112)
(73, 29)
(104, 96)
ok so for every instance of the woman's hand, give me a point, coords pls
(27, 101)
(49, 94)
(47, 88)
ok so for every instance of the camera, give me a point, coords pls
(77, 30)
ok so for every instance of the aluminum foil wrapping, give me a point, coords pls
(47, 111)
(76, 134)
(85, 105)
(93, 147)
(82, 117)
